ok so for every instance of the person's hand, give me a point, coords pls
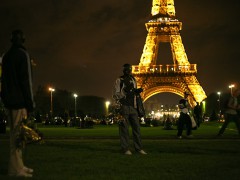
(138, 91)
(127, 89)
(24, 114)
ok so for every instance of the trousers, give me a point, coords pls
(184, 119)
(16, 160)
(130, 116)
(228, 119)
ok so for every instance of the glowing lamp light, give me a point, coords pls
(51, 89)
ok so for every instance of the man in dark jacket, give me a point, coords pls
(125, 92)
(17, 97)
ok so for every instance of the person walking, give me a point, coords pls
(184, 118)
(126, 92)
(231, 112)
(17, 97)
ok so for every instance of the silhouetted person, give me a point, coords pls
(168, 124)
(184, 118)
(2, 121)
(198, 114)
(125, 92)
(65, 118)
(17, 97)
(231, 113)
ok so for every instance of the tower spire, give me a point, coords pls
(163, 8)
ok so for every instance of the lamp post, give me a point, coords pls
(75, 100)
(51, 108)
(107, 103)
(204, 107)
(231, 87)
(219, 103)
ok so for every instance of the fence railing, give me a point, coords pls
(169, 68)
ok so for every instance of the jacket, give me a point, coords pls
(124, 91)
(232, 106)
(16, 82)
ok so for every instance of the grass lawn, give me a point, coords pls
(70, 153)
(206, 131)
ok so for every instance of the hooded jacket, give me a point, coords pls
(16, 82)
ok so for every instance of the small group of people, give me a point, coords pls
(17, 97)
(231, 114)
(125, 93)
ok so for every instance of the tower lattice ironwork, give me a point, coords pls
(164, 27)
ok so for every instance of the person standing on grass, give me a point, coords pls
(198, 114)
(184, 118)
(125, 92)
(17, 97)
(231, 113)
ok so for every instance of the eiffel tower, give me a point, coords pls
(178, 77)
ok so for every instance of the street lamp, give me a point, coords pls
(219, 103)
(204, 106)
(231, 87)
(51, 91)
(107, 103)
(75, 100)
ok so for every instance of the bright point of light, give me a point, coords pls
(107, 103)
(51, 89)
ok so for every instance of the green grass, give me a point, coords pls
(70, 153)
(206, 130)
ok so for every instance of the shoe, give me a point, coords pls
(21, 173)
(179, 137)
(190, 136)
(128, 152)
(142, 152)
(28, 170)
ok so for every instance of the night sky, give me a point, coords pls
(81, 45)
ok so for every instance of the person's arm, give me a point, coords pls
(118, 92)
(26, 81)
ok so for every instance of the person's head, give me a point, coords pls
(17, 37)
(127, 69)
(236, 92)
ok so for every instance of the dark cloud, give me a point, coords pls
(80, 45)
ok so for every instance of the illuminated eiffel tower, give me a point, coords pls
(175, 78)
